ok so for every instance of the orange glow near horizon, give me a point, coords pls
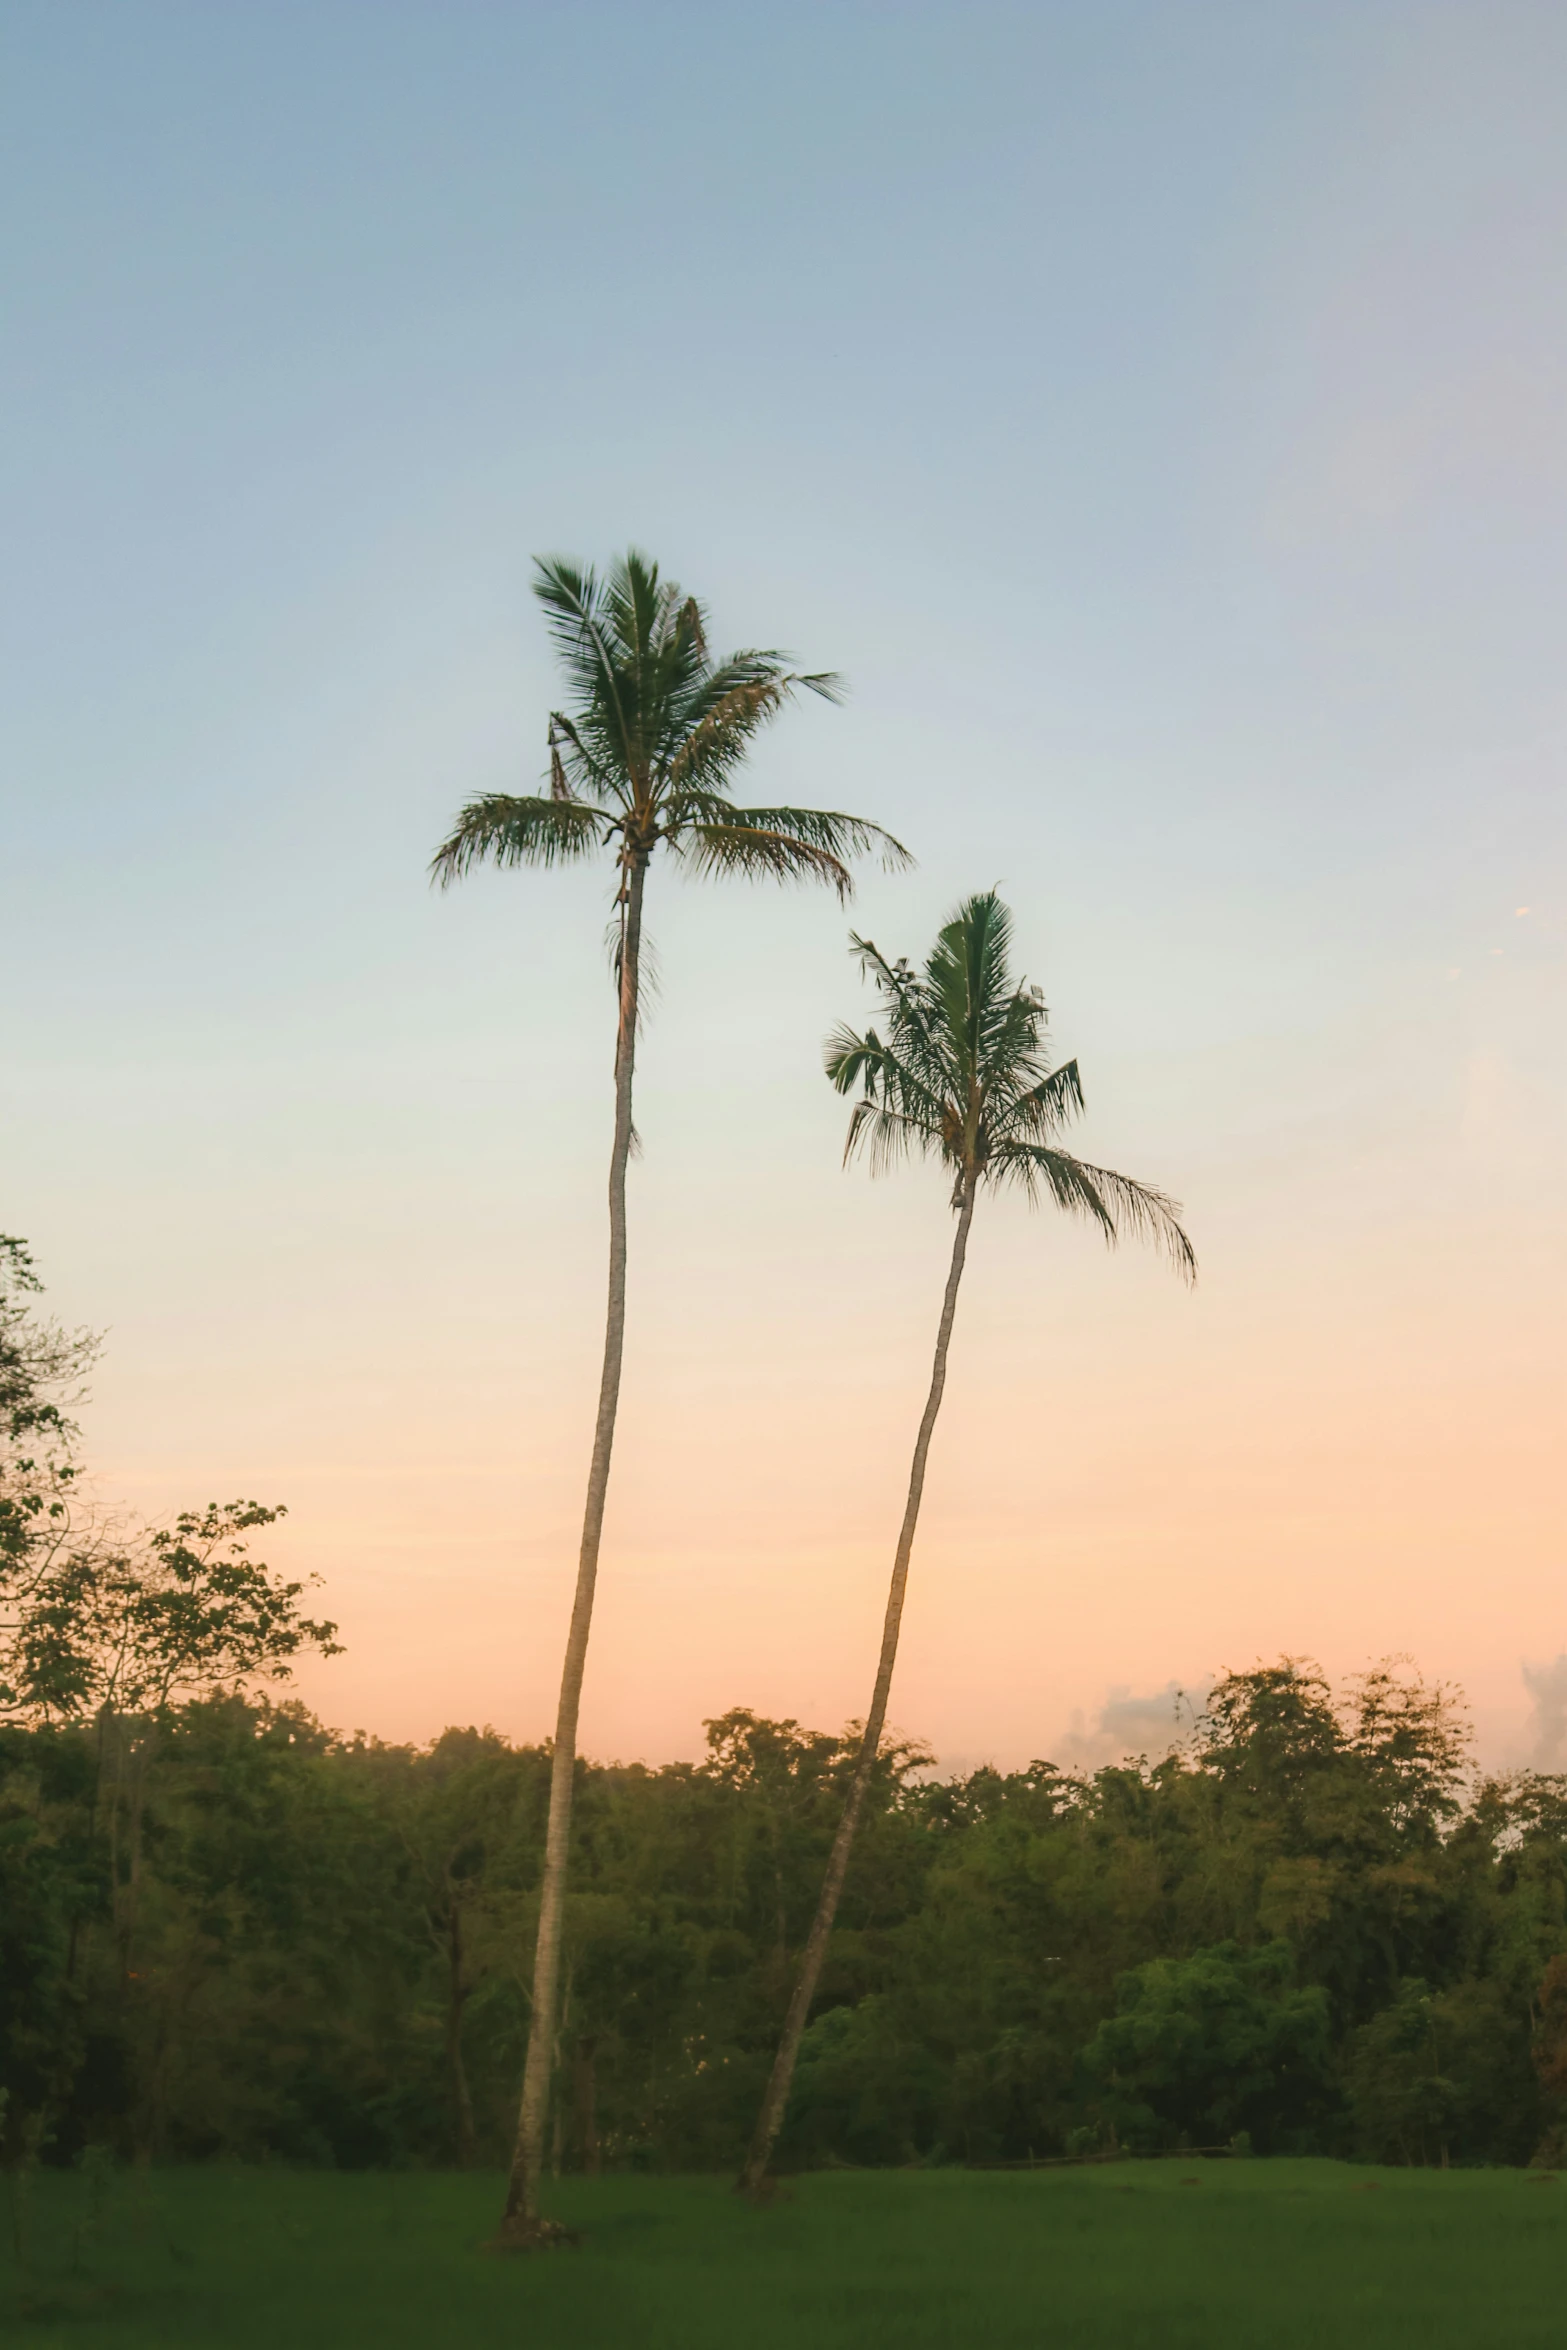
(1346, 1443)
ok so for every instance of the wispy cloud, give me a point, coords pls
(1547, 1726)
(1127, 1724)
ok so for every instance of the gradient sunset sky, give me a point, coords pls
(1160, 414)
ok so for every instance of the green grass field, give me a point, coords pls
(1159, 2254)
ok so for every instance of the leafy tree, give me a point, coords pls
(112, 1626)
(1414, 1742)
(1329, 1817)
(962, 1076)
(456, 1818)
(865, 2090)
(1437, 2068)
(41, 1365)
(645, 758)
(42, 1368)
(99, 1618)
(47, 1894)
(1204, 2048)
(791, 1785)
(183, 1611)
(1549, 2051)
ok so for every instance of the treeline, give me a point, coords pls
(226, 1932)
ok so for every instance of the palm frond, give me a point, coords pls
(968, 974)
(712, 849)
(694, 621)
(826, 828)
(709, 733)
(572, 599)
(1020, 1102)
(1114, 1202)
(756, 664)
(1051, 1104)
(499, 829)
(587, 775)
(612, 636)
(712, 715)
(560, 789)
(882, 1135)
(897, 1083)
(851, 1059)
(910, 1010)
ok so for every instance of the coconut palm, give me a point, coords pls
(962, 1075)
(643, 760)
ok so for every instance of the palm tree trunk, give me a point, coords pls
(774, 2104)
(521, 2225)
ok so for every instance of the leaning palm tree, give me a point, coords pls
(962, 1075)
(643, 759)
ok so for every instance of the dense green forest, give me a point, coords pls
(226, 1932)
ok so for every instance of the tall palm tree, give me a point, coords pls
(643, 759)
(961, 1076)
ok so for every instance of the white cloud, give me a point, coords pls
(1547, 1727)
(1127, 1725)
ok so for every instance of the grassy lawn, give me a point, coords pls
(1159, 2254)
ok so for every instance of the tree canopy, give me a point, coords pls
(1261, 1934)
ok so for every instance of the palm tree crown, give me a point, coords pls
(647, 754)
(963, 1074)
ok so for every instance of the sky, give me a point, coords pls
(1160, 416)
